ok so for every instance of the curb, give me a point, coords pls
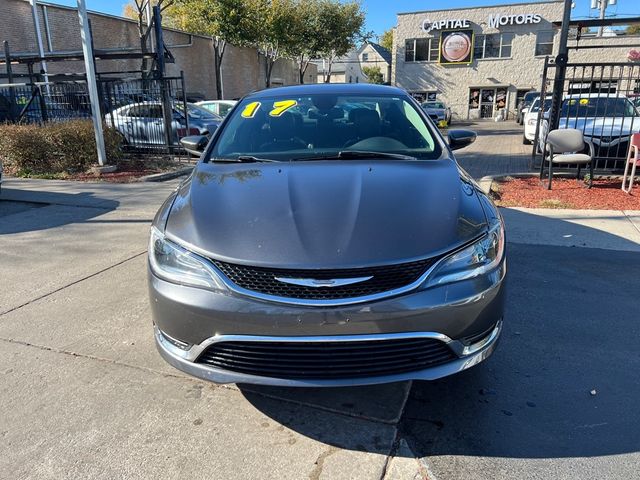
(486, 181)
(161, 177)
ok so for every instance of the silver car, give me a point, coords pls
(311, 247)
(438, 112)
(143, 123)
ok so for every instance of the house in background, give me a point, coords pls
(345, 69)
(374, 55)
(348, 68)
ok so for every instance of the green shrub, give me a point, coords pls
(61, 147)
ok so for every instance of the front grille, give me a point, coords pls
(327, 360)
(263, 280)
(434, 116)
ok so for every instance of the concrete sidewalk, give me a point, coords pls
(84, 394)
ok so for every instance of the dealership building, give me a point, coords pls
(480, 61)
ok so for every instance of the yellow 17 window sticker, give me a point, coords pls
(279, 108)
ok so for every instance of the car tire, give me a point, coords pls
(525, 141)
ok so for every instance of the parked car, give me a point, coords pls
(143, 124)
(438, 112)
(219, 107)
(316, 249)
(607, 120)
(531, 119)
(523, 106)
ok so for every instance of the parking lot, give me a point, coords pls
(84, 393)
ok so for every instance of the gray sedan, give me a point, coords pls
(315, 247)
(142, 124)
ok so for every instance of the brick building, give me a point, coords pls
(243, 68)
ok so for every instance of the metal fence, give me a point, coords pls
(600, 99)
(150, 114)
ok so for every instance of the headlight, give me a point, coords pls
(532, 122)
(476, 259)
(171, 262)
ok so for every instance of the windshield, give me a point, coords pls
(294, 128)
(433, 105)
(530, 97)
(196, 111)
(535, 106)
(597, 107)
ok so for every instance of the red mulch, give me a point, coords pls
(566, 193)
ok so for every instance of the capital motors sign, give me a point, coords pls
(494, 21)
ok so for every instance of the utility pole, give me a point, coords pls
(92, 86)
(603, 8)
(561, 67)
(36, 26)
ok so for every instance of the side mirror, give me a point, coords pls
(461, 138)
(194, 144)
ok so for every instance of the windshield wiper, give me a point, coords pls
(242, 159)
(356, 155)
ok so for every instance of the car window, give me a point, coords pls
(288, 128)
(597, 107)
(224, 109)
(530, 97)
(198, 112)
(211, 107)
(535, 106)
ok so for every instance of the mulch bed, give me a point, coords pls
(128, 171)
(567, 193)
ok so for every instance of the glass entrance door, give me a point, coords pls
(487, 101)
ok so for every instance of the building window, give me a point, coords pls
(421, 49)
(365, 57)
(350, 79)
(636, 86)
(496, 45)
(544, 43)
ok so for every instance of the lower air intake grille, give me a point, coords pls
(327, 360)
(384, 278)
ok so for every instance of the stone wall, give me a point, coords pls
(521, 71)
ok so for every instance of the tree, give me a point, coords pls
(272, 30)
(633, 29)
(304, 41)
(373, 74)
(386, 40)
(137, 10)
(225, 21)
(340, 27)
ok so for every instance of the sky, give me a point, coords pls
(381, 14)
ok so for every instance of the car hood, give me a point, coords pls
(603, 126)
(329, 214)
(434, 111)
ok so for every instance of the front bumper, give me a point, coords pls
(184, 360)
(187, 320)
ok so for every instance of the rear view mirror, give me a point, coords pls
(461, 138)
(194, 144)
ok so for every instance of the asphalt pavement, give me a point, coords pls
(84, 394)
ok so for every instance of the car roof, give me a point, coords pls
(225, 102)
(595, 95)
(329, 88)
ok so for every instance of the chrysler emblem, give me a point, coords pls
(319, 283)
